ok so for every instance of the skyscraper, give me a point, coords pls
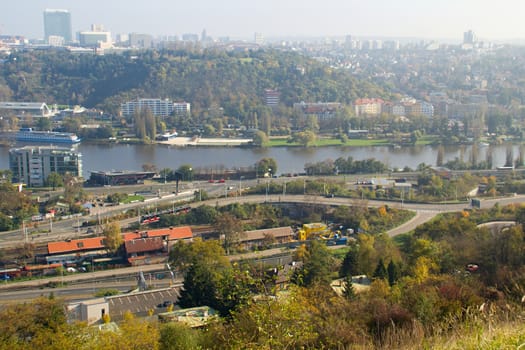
(57, 23)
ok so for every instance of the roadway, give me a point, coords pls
(69, 228)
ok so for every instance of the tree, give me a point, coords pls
(260, 139)
(266, 166)
(54, 180)
(348, 289)
(178, 336)
(393, 272)
(380, 271)
(112, 236)
(199, 286)
(186, 172)
(316, 267)
(182, 254)
(230, 230)
(349, 266)
(44, 124)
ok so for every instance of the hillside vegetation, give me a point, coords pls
(208, 79)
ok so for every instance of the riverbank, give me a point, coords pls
(208, 142)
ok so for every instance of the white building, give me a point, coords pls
(181, 108)
(34, 109)
(157, 106)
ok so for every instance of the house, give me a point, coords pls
(268, 236)
(146, 247)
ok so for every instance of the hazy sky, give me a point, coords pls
(501, 19)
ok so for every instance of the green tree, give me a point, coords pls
(348, 289)
(349, 266)
(266, 166)
(393, 272)
(380, 271)
(182, 254)
(44, 124)
(54, 180)
(317, 266)
(178, 336)
(186, 172)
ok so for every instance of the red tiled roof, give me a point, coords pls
(173, 233)
(143, 245)
(75, 245)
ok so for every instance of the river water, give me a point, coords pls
(289, 159)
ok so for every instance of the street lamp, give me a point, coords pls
(240, 185)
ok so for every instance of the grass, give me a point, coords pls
(132, 198)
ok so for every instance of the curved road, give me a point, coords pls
(65, 229)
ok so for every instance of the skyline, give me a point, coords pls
(293, 18)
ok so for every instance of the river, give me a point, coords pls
(107, 157)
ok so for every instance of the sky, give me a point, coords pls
(436, 19)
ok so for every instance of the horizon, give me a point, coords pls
(273, 19)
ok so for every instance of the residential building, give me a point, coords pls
(322, 110)
(33, 164)
(140, 41)
(57, 23)
(157, 106)
(271, 97)
(368, 106)
(181, 108)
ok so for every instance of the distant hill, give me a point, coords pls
(233, 81)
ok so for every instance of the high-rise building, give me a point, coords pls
(33, 164)
(57, 23)
(258, 38)
(469, 37)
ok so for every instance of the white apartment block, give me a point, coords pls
(157, 106)
(181, 108)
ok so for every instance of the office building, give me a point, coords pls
(57, 23)
(94, 39)
(33, 164)
(469, 37)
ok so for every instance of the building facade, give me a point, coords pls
(57, 23)
(368, 106)
(33, 164)
(181, 108)
(271, 97)
(157, 106)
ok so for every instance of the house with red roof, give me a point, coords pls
(74, 250)
(149, 247)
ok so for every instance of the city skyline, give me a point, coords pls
(380, 18)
